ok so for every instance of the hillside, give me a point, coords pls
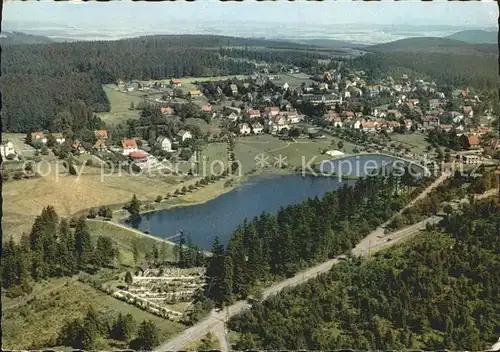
(439, 291)
(13, 38)
(476, 36)
(433, 45)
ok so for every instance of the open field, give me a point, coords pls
(214, 158)
(293, 79)
(212, 127)
(24, 200)
(248, 148)
(119, 105)
(187, 83)
(415, 141)
(34, 321)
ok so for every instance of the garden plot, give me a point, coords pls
(157, 290)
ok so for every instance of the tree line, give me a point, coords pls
(276, 246)
(440, 291)
(53, 248)
(85, 333)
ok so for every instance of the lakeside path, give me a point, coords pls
(376, 240)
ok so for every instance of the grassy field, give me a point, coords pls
(415, 141)
(294, 80)
(24, 200)
(213, 155)
(35, 321)
(125, 238)
(119, 105)
(212, 127)
(248, 148)
(187, 83)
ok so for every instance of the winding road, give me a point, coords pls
(375, 241)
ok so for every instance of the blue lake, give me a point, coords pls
(221, 216)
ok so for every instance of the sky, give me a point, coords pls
(118, 17)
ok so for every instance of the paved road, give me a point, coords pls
(376, 240)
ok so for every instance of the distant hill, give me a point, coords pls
(476, 36)
(13, 38)
(434, 45)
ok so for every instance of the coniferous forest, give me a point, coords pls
(439, 291)
(42, 81)
(277, 246)
(53, 248)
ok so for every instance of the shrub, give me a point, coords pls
(158, 199)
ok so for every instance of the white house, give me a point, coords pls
(234, 89)
(129, 146)
(293, 116)
(59, 138)
(164, 143)
(183, 134)
(253, 113)
(337, 122)
(286, 86)
(244, 128)
(233, 117)
(7, 148)
(38, 136)
(257, 128)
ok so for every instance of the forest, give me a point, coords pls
(54, 248)
(41, 81)
(479, 71)
(438, 291)
(270, 247)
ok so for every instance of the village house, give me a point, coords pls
(234, 89)
(395, 113)
(58, 137)
(354, 124)
(100, 145)
(206, 108)
(253, 114)
(257, 128)
(285, 86)
(38, 136)
(101, 134)
(164, 143)
(468, 112)
(480, 130)
(183, 135)
(273, 77)
(130, 87)
(233, 109)
(277, 124)
(195, 93)
(167, 110)
(77, 147)
(129, 146)
(408, 123)
(471, 141)
(369, 126)
(175, 83)
(349, 115)
(144, 269)
(446, 128)
(244, 128)
(327, 99)
(389, 126)
(292, 116)
(7, 148)
(337, 122)
(430, 122)
(469, 159)
(273, 111)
